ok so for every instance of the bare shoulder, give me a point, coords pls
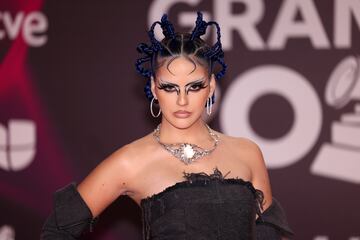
(250, 152)
(129, 153)
(130, 157)
(113, 176)
(242, 145)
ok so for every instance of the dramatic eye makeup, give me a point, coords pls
(194, 86)
(168, 87)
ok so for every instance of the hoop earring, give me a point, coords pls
(151, 108)
(208, 106)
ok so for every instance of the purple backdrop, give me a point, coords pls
(70, 96)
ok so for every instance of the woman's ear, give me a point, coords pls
(153, 87)
(212, 85)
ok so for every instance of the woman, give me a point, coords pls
(176, 173)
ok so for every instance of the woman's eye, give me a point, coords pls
(197, 87)
(167, 88)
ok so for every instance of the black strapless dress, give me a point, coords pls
(209, 207)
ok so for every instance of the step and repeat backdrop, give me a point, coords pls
(70, 96)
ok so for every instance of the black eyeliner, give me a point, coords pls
(198, 85)
(164, 86)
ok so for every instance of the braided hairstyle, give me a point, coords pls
(176, 44)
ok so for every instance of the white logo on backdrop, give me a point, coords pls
(17, 145)
(341, 158)
(7, 233)
(32, 26)
(285, 26)
(256, 82)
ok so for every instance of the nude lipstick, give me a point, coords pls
(182, 114)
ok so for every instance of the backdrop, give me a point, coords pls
(70, 96)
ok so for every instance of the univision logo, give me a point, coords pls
(17, 144)
(7, 232)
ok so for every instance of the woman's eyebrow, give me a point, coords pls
(190, 83)
(196, 81)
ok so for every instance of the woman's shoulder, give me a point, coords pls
(244, 149)
(240, 143)
(124, 163)
(135, 150)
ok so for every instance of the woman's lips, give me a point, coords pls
(182, 114)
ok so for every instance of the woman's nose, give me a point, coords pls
(182, 98)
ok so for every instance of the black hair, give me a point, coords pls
(176, 44)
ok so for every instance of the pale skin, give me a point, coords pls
(143, 168)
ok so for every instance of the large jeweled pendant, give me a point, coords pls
(188, 151)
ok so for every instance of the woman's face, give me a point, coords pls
(182, 87)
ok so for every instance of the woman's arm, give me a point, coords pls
(272, 224)
(252, 155)
(77, 207)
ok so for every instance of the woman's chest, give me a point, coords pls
(165, 170)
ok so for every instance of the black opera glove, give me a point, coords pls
(273, 225)
(70, 218)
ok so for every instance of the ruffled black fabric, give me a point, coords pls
(217, 175)
(207, 207)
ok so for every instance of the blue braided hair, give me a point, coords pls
(174, 44)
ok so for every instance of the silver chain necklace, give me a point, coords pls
(187, 152)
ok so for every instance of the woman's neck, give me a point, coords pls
(196, 133)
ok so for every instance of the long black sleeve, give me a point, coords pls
(70, 218)
(273, 225)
